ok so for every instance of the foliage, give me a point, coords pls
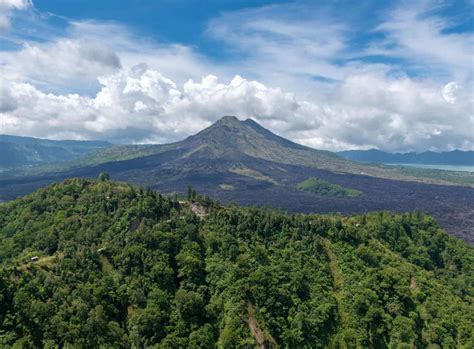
(104, 176)
(325, 188)
(123, 267)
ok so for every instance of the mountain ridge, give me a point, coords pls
(26, 151)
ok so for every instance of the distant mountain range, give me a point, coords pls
(20, 151)
(455, 157)
(240, 161)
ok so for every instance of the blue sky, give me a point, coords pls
(167, 20)
(187, 21)
(395, 75)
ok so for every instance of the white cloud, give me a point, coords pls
(142, 102)
(176, 60)
(88, 84)
(73, 61)
(450, 92)
(289, 45)
(415, 33)
(139, 104)
(6, 10)
(59, 63)
(393, 114)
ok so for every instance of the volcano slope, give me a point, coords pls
(242, 162)
(116, 266)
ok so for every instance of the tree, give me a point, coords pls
(121, 267)
(190, 192)
(104, 177)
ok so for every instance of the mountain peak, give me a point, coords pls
(228, 120)
(229, 135)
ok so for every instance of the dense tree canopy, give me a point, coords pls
(325, 188)
(123, 267)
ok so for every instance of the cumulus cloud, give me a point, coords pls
(86, 83)
(144, 101)
(6, 10)
(142, 105)
(73, 60)
(367, 111)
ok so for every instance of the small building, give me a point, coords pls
(34, 259)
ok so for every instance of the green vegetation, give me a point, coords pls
(123, 267)
(104, 176)
(116, 153)
(95, 157)
(322, 187)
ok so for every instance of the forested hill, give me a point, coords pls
(20, 151)
(122, 267)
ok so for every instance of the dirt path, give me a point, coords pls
(264, 340)
(338, 281)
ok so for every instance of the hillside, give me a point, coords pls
(124, 267)
(234, 140)
(455, 157)
(20, 151)
(240, 161)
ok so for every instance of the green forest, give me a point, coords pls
(101, 264)
(325, 188)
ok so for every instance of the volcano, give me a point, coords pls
(240, 161)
